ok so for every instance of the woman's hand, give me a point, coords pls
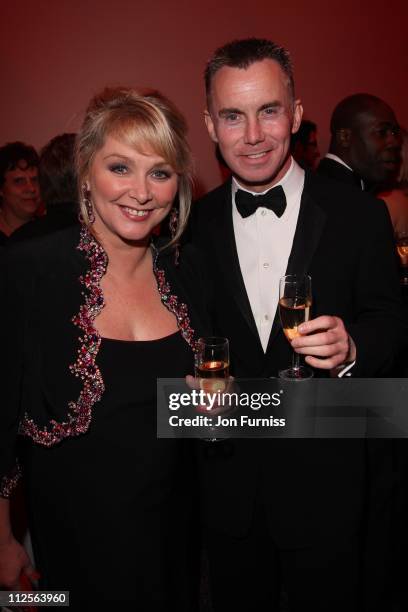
(13, 561)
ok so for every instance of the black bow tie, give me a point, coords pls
(274, 199)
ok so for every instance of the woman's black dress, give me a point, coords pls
(113, 507)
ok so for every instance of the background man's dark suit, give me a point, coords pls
(313, 491)
(333, 170)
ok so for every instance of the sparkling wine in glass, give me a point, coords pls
(212, 370)
(212, 363)
(295, 301)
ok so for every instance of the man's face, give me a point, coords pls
(20, 191)
(251, 117)
(375, 145)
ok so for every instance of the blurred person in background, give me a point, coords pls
(19, 189)
(365, 143)
(58, 187)
(304, 147)
(396, 195)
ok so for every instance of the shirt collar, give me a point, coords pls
(338, 160)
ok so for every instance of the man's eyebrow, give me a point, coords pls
(223, 112)
(229, 111)
(274, 104)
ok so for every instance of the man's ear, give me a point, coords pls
(343, 138)
(210, 125)
(297, 116)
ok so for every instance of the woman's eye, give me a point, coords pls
(118, 168)
(161, 174)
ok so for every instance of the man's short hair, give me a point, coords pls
(57, 174)
(12, 153)
(243, 53)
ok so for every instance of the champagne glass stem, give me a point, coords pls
(295, 360)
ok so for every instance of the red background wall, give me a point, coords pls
(55, 55)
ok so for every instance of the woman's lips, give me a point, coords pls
(135, 214)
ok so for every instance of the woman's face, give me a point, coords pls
(131, 192)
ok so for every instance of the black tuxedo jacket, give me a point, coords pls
(333, 170)
(344, 240)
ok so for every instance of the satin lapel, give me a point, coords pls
(228, 256)
(307, 236)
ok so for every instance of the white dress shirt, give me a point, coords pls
(264, 242)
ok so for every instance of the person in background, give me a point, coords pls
(365, 143)
(19, 189)
(396, 195)
(304, 147)
(92, 315)
(58, 188)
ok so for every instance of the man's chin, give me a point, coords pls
(260, 182)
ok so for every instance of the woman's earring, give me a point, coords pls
(88, 205)
(173, 226)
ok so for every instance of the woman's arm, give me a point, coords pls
(13, 557)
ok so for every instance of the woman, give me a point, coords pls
(19, 189)
(396, 196)
(94, 317)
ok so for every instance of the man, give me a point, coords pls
(19, 191)
(59, 189)
(304, 147)
(365, 143)
(288, 509)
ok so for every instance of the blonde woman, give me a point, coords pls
(95, 315)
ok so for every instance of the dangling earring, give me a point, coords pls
(88, 205)
(173, 226)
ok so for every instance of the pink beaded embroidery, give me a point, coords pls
(79, 414)
(8, 483)
(171, 302)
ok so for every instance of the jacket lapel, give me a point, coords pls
(307, 236)
(226, 246)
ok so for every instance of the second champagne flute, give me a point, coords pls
(212, 363)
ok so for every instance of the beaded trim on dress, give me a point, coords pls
(79, 412)
(171, 302)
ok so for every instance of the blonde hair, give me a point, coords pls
(139, 118)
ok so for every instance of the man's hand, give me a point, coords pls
(325, 342)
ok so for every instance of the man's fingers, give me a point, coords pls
(322, 323)
(320, 339)
(192, 382)
(323, 364)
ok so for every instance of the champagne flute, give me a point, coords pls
(212, 363)
(212, 370)
(295, 300)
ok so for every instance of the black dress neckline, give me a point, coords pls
(163, 339)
